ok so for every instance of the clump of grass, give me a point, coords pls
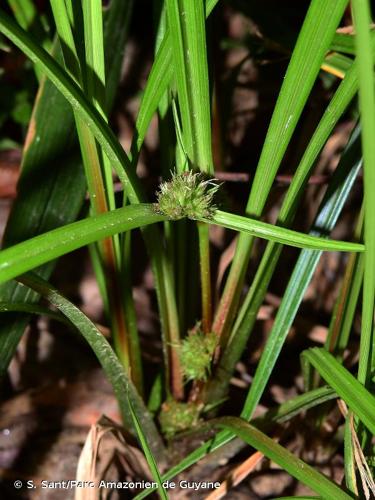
(181, 69)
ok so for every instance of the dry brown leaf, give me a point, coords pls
(105, 443)
(368, 484)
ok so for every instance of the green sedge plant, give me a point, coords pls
(79, 67)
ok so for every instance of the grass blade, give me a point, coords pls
(298, 283)
(122, 386)
(30, 309)
(359, 399)
(58, 199)
(45, 247)
(119, 161)
(362, 21)
(337, 64)
(235, 342)
(77, 99)
(315, 36)
(187, 36)
(350, 471)
(286, 460)
(157, 84)
(345, 42)
(279, 234)
(284, 412)
(148, 454)
(345, 307)
(188, 39)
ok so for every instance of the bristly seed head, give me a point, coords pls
(196, 353)
(187, 195)
(176, 416)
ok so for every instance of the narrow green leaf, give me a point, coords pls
(30, 309)
(50, 154)
(157, 84)
(334, 111)
(187, 37)
(342, 181)
(359, 399)
(344, 311)
(283, 413)
(280, 234)
(65, 33)
(349, 459)
(328, 213)
(286, 411)
(48, 246)
(337, 64)
(283, 457)
(77, 99)
(24, 11)
(313, 41)
(345, 42)
(94, 47)
(148, 454)
(362, 21)
(117, 157)
(122, 385)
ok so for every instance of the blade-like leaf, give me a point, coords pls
(30, 309)
(157, 84)
(49, 155)
(81, 106)
(299, 281)
(346, 303)
(187, 37)
(362, 21)
(279, 234)
(48, 246)
(283, 457)
(347, 169)
(117, 157)
(313, 41)
(122, 385)
(359, 399)
(283, 413)
(345, 42)
(148, 454)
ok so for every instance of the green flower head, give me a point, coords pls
(187, 195)
(196, 354)
(177, 417)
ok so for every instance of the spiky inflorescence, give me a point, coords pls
(187, 195)
(196, 354)
(177, 417)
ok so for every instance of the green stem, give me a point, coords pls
(343, 313)
(362, 21)
(204, 252)
(91, 71)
